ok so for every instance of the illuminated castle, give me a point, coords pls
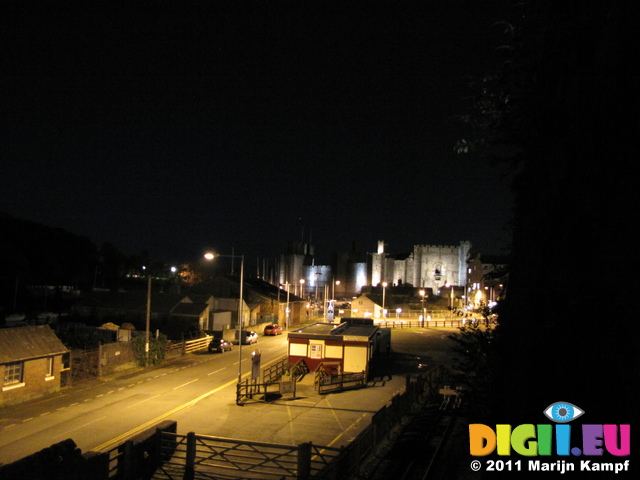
(428, 266)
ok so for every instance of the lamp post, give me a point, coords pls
(384, 290)
(211, 256)
(424, 311)
(147, 322)
(286, 313)
(451, 303)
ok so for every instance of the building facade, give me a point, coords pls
(428, 266)
(30, 363)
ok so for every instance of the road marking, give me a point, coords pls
(341, 434)
(216, 371)
(140, 428)
(115, 441)
(79, 427)
(184, 384)
(146, 400)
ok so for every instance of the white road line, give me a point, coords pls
(63, 434)
(145, 400)
(184, 384)
(216, 371)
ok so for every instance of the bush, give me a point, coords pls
(157, 350)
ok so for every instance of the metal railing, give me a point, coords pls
(326, 381)
(456, 322)
(274, 372)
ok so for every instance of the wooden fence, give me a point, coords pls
(455, 322)
(190, 456)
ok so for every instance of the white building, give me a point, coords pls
(428, 266)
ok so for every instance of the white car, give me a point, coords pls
(248, 337)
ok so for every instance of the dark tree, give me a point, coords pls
(562, 110)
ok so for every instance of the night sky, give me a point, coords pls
(176, 127)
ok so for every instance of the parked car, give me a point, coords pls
(220, 345)
(248, 337)
(273, 329)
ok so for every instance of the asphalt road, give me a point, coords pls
(198, 391)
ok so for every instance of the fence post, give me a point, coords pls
(190, 460)
(157, 460)
(100, 359)
(304, 461)
(126, 467)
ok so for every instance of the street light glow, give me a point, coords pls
(240, 322)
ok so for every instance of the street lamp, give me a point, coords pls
(384, 290)
(286, 313)
(302, 288)
(211, 256)
(424, 311)
(451, 303)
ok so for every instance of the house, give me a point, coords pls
(171, 313)
(370, 305)
(488, 275)
(31, 363)
(262, 301)
(350, 345)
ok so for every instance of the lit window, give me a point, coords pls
(49, 372)
(13, 373)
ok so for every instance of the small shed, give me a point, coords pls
(30, 362)
(351, 345)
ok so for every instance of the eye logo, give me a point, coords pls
(563, 412)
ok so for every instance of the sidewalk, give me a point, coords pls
(332, 419)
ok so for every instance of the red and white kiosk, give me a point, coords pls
(349, 345)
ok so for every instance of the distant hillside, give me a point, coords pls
(37, 254)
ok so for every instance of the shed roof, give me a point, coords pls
(25, 343)
(331, 331)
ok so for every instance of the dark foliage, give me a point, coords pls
(562, 111)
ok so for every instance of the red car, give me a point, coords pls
(273, 329)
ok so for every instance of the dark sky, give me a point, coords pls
(176, 127)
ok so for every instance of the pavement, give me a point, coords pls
(332, 419)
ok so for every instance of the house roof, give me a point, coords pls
(329, 331)
(187, 308)
(255, 291)
(25, 343)
(391, 301)
(135, 301)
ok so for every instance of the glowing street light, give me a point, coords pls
(384, 290)
(451, 303)
(240, 323)
(424, 310)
